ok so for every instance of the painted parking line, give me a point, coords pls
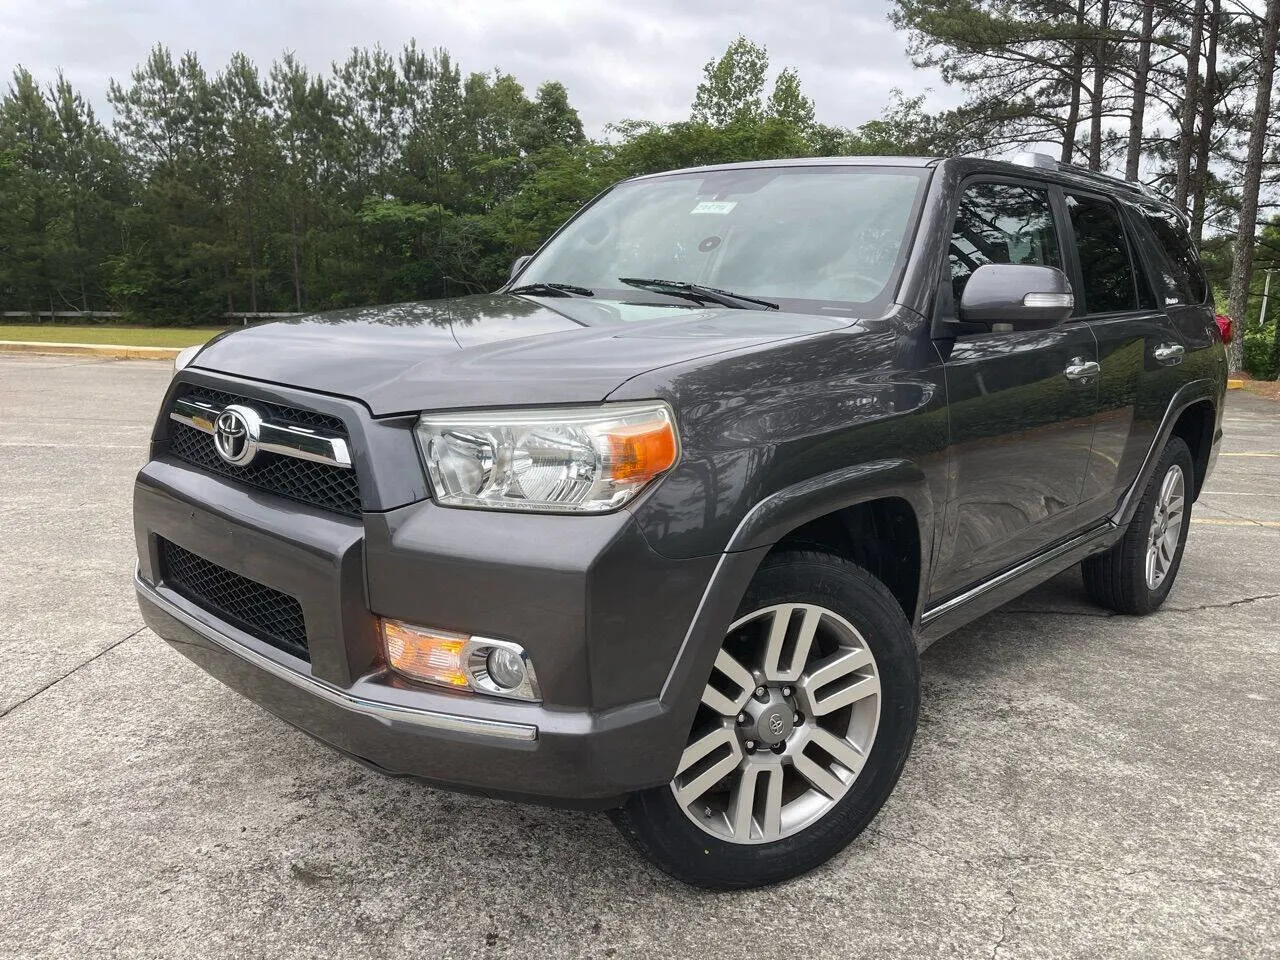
(1253, 453)
(1216, 522)
(1237, 493)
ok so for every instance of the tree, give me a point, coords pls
(1242, 262)
(28, 136)
(788, 103)
(732, 86)
(177, 262)
(1186, 133)
(250, 156)
(1138, 112)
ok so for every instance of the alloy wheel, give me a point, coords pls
(1166, 527)
(786, 723)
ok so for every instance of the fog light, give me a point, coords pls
(506, 667)
(499, 668)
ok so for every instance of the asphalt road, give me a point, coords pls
(1082, 785)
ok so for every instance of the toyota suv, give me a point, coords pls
(662, 526)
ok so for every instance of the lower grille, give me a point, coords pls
(258, 610)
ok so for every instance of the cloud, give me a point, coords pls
(638, 61)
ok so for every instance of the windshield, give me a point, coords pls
(812, 239)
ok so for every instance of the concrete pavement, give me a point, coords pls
(1083, 785)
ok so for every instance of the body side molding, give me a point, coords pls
(1016, 572)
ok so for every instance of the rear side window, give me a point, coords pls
(1001, 223)
(1181, 279)
(1105, 266)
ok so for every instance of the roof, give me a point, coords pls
(1052, 170)
(917, 162)
(1071, 175)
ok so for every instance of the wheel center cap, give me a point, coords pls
(774, 723)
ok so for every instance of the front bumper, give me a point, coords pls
(604, 618)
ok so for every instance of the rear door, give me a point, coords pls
(1022, 403)
(1137, 342)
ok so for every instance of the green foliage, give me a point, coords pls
(391, 177)
(1261, 348)
(732, 85)
(1261, 355)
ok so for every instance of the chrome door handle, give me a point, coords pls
(1081, 369)
(1169, 353)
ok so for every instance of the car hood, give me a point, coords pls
(490, 350)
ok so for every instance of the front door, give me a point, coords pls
(1022, 403)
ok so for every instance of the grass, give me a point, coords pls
(105, 333)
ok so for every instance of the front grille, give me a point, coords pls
(258, 610)
(320, 484)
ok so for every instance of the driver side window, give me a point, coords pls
(1001, 223)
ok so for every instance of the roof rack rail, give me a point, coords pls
(1029, 158)
(1043, 161)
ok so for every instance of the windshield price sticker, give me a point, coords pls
(715, 206)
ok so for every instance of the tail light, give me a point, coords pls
(1225, 329)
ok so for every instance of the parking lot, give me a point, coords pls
(1082, 784)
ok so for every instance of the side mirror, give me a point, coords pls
(1019, 295)
(518, 265)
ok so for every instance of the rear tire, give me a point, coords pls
(1137, 573)
(784, 795)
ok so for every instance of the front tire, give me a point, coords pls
(1137, 573)
(802, 732)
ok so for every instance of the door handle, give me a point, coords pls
(1081, 369)
(1169, 353)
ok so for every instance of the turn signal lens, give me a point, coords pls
(498, 668)
(638, 454)
(434, 656)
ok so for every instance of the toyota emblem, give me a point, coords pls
(236, 433)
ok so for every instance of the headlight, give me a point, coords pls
(185, 357)
(550, 461)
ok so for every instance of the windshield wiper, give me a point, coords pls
(696, 291)
(541, 289)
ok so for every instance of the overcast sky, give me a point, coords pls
(640, 59)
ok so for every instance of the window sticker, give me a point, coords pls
(715, 206)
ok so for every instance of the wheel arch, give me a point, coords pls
(882, 536)
(1192, 410)
(1195, 425)
(846, 500)
(878, 515)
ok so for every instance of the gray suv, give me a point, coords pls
(661, 527)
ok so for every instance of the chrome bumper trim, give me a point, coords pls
(364, 706)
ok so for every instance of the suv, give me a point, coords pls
(661, 526)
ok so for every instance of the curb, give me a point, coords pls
(1235, 384)
(107, 351)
